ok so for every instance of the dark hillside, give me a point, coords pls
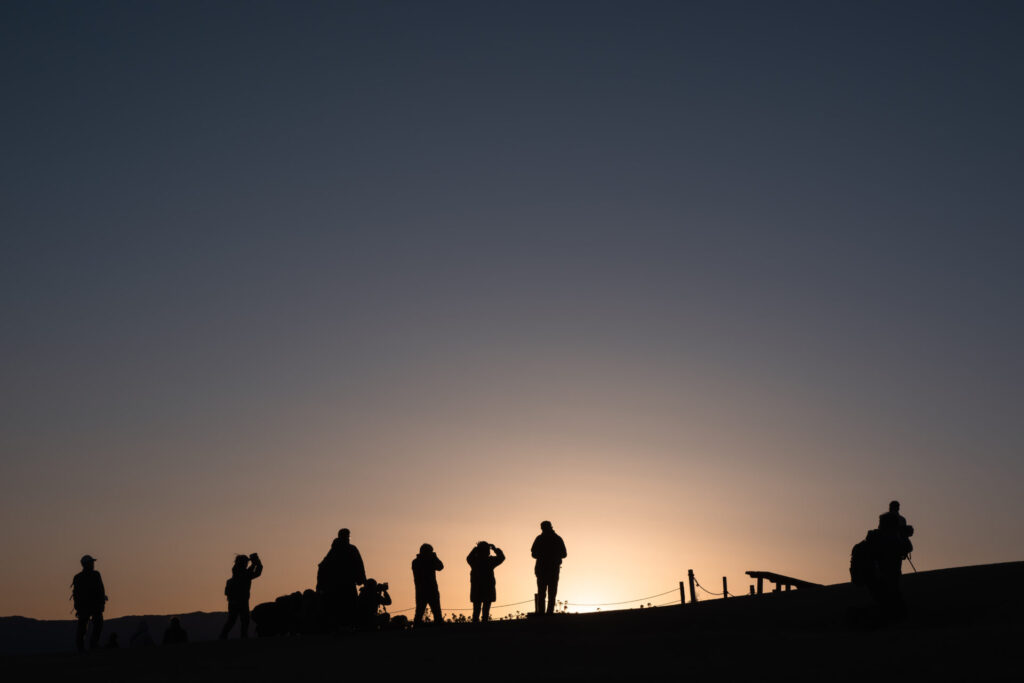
(964, 623)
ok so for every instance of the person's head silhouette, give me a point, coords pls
(88, 561)
(343, 535)
(894, 506)
(546, 526)
(426, 549)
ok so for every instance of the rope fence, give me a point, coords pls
(567, 604)
(723, 594)
(677, 601)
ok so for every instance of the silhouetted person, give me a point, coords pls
(174, 633)
(425, 567)
(371, 598)
(90, 597)
(876, 562)
(893, 546)
(312, 618)
(892, 520)
(141, 637)
(895, 527)
(549, 550)
(339, 573)
(482, 586)
(237, 591)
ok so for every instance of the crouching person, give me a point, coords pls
(373, 596)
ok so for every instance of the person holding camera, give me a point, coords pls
(424, 575)
(372, 596)
(237, 591)
(482, 586)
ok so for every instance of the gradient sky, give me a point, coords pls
(706, 285)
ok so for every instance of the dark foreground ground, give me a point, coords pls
(964, 624)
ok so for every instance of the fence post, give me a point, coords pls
(693, 591)
(725, 588)
(682, 593)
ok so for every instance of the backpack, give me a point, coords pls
(862, 564)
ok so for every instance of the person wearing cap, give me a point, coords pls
(89, 598)
(425, 567)
(549, 550)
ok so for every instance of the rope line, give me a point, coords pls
(724, 594)
(624, 602)
(462, 609)
(570, 604)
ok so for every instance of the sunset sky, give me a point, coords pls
(704, 284)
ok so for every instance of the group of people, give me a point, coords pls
(876, 562)
(346, 597)
(548, 550)
(342, 570)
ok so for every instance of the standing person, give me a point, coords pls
(894, 526)
(337, 577)
(237, 591)
(328, 586)
(549, 550)
(894, 546)
(90, 598)
(425, 567)
(482, 586)
(351, 573)
(892, 520)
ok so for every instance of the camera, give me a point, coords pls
(382, 586)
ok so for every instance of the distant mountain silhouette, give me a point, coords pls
(21, 635)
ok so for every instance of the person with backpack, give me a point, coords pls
(877, 562)
(237, 591)
(89, 598)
